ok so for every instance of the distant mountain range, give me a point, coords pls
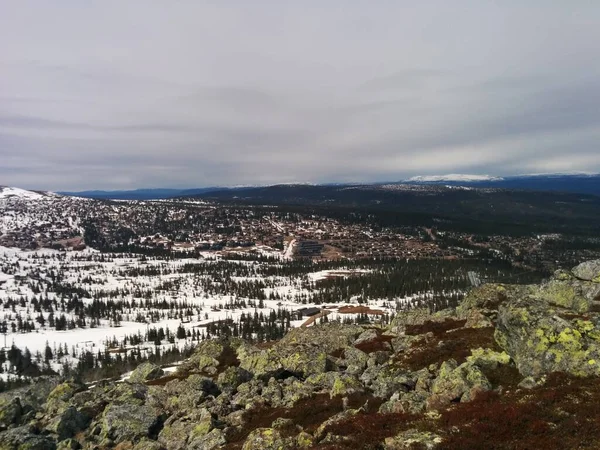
(574, 183)
(579, 183)
(140, 194)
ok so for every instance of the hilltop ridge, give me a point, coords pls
(456, 379)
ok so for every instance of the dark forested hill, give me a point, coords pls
(471, 209)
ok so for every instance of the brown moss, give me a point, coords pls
(563, 414)
(380, 343)
(309, 413)
(456, 344)
(504, 376)
(366, 431)
(437, 328)
(164, 380)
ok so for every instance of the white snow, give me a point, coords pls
(6, 192)
(453, 177)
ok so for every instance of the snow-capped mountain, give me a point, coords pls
(13, 192)
(452, 177)
(581, 183)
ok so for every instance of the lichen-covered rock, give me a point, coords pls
(305, 440)
(146, 372)
(300, 360)
(346, 385)
(302, 351)
(415, 316)
(175, 432)
(25, 438)
(247, 392)
(337, 418)
(390, 380)
(356, 360)
(264, 439)
(58, 399)
(190, 393)
(68, 444)
(10, 412)
(412, 402)
(212, 440)
(366, 336)
(540, 341)
(588, 271)
(146, 444)
(129, 422)
(487, 358)
(325, 338)
(413, 439)
(569, 293)
(232, 377)
(68, 423)
(335, 383)
(206, 357)
(457, 383)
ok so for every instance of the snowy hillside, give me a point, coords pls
(17, 193)
(453, 177)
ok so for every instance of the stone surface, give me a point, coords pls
(588, 271)
(129, 422)
(540, 341)
(146, 372)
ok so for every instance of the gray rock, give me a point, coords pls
(69, 423)
(10, 412)
(25, 438)
(212, 440)
(232, 377)
(413, 439)
(146, 372)
(264, 439)
(588, 271)
(129, 422)
(454, 383)
(540, 341)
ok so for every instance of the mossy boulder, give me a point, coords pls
(232, 377)
(25, 438)
(146, 372)
(540, 340)
(326, 338)
(568, 294)
(129, 422)
(413, 439)
(457, 383)
(206, 357)
(265, 439)
(10, 412)
(481, 303)
(356, 360)
(414, 316)
(69, 423)
(58, 399)
(487, 358)
(300, 360)
(212, 440)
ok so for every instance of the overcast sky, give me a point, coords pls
(130, 94)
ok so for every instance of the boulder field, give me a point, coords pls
(511, 367)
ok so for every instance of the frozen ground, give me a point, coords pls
(31, 279)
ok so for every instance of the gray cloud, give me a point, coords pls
(143, 94)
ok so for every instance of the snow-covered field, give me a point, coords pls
(37, 287)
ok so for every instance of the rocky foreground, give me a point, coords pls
(512, 367)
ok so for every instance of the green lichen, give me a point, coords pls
(563, 294)
(488, 358)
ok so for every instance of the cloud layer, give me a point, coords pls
(115, 95)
